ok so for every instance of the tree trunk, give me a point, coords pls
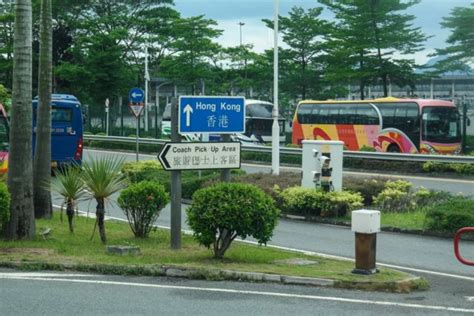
(222, 243)
(20, 174)
(70, 215)
(100, 214)
(42, 160)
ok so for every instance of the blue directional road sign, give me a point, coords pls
(136, 95)
(206, 114)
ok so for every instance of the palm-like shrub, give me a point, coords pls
(70, 186)
(102, 177)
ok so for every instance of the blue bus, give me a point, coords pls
(66, 129)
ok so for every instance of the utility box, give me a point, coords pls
(365, 221)
(319, 155)
(366, 225)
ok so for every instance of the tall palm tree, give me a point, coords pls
(102, 177)
(42, 161)
(20, 174)
(70, 186)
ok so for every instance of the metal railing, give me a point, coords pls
(298, 151)
(457, 238)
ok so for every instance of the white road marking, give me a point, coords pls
(243, 292)
(469, 298)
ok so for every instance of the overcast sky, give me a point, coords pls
(228, 13)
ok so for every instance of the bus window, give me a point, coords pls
(347, 113)
(366, 115)
(388, 111)
(260, 110)
(441, 125)
(61, 114)
(304, 113)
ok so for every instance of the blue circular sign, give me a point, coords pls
(136, 95)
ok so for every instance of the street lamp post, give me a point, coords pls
(275, 126)
(240, 27)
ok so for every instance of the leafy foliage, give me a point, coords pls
(4, 205)
(220, 213)
(312, 202)
(302, 201)
(341, 203)
(460, 51)
(450, 215)
(142, 203)
(367, 187)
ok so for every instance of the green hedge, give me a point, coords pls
(312, 202)
(451, 215)
(151, 170)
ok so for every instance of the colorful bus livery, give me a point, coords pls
(66, 129)
(388, 124)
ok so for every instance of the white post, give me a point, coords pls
(107, 116)
(275, 126)
(147, 78)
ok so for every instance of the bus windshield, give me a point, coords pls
(441, 124)
(259, 110)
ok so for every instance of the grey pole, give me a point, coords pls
(175, 183)
(138, 131)
(225, 173)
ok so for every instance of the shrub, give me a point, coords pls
(267, 182)
(367, 187)
(450, 215)
(460, 168)
(4, 205)
(424, 197)
(220, 213)
(396, 197)
(302, 201)
(142, 203)
(341, 203)
(142, 170)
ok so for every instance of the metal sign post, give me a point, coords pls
(136, 96)
(175, 184)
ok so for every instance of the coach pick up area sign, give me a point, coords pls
(209, 114)
(194, 156)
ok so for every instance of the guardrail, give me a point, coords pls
(457, 238)
(297, 151)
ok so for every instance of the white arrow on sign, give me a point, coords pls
(199, 156)
(134, 95)
(188, 110)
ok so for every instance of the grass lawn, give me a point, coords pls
(404, 220)
(63, 247)
(407, 220)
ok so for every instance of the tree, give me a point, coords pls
(460, 50)
(302, 63)
(42, 158)
(369, 32)
(192, 49)
(20, 174)
(7, 18)
(220, 213)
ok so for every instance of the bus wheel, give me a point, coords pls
(393, 149)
